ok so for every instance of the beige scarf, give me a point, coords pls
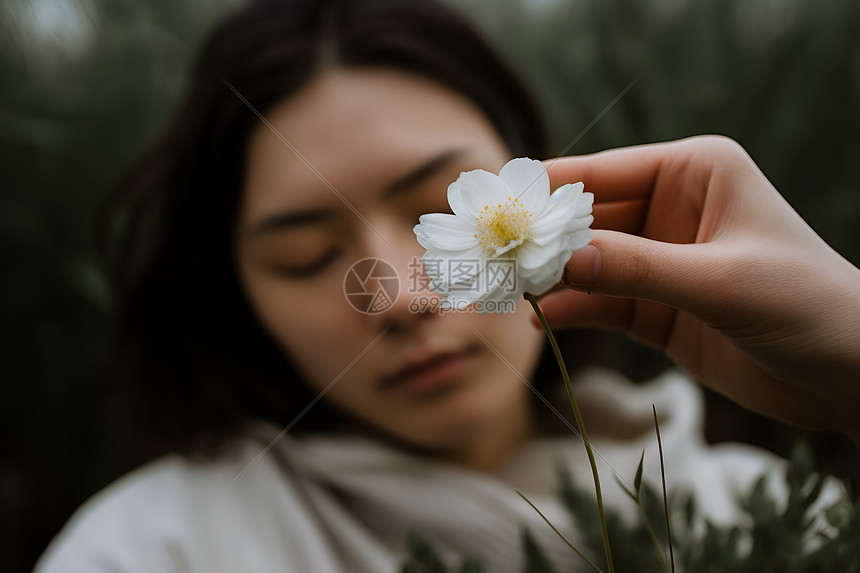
(366, 496)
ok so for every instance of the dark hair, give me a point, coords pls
(191, 363)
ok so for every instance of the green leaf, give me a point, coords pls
(815, 491)
(632, 494)
(536, 560)
(422, 556)
(801, 465)
(838, 515)
(637, 481)
(472, 565)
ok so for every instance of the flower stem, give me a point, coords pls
(665, 495)
(557, 532)
(580, 424)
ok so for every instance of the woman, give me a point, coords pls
(313, 136)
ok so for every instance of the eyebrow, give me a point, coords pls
(280, 221)
(422, 172)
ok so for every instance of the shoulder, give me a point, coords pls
(180, 514)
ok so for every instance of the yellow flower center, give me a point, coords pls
(504, 226)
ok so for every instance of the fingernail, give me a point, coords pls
(584, 268)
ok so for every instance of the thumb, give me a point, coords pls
(621, 265)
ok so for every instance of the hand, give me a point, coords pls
(697, 254)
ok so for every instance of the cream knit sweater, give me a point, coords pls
(344, 503)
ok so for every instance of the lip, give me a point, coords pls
(430, 371)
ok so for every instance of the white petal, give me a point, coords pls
(446, 267)
(573, 213)
(529, 182)
(502, 251)
(553, 228)
(463, 294)
(584, 204)
(457, 301)
(578, 239)
(545, 277)
(444, 231)
(455, 200)
(476, 252)
(474, 190)
(568, 192)
(531, 255)
(549, 227)
(491, 301)
(466, 204)
(488, 283)
(564, 201)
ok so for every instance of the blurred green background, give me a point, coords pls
(88, 84)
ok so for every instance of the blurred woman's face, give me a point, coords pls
(363, 154)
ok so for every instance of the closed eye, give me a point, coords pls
(307, 270)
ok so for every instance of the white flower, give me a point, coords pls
(509, 220)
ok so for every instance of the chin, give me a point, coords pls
(472, 410)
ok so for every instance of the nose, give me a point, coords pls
(398, 250)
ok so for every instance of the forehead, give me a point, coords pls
(356, 130)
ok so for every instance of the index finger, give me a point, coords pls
(616, 175)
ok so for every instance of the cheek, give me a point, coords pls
(514, 337)
(312, 324)
(515, 347)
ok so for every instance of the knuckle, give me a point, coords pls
(718, 147)
(639, 266)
